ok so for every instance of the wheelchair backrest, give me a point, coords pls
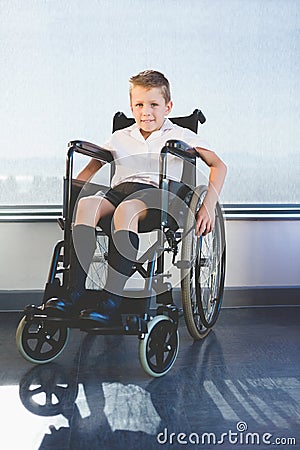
(121, 121)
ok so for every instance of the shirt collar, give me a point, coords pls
(167, 125)
(135, 132)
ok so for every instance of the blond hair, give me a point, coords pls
(151, 79)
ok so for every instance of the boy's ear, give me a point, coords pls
(169, 107)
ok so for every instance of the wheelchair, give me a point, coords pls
(199, 260)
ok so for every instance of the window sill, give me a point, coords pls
(261, 212)
(50, 213)
(32, 213)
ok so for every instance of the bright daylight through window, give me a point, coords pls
(65, 73)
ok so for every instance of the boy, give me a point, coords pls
(136, 151)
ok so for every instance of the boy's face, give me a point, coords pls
(149, 108)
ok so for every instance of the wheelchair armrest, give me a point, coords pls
(92, 150)
(180, 149)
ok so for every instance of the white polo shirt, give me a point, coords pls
(137, 159)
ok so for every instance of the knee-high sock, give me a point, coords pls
(122, 255)
(82, 251)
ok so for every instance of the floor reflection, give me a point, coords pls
(241, 382)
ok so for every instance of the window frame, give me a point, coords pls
(46, 213)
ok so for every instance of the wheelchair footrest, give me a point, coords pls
(39, 314)
(33, 311)
(131, 325)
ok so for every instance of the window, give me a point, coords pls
(65, 73)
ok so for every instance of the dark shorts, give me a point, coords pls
(147, 193)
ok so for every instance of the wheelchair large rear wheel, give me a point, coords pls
(203, 276)
(41, 342)
(158, 348)
(97, 274)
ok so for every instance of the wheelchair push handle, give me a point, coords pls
(92, 150)
(180, 149)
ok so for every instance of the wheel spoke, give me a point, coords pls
(159, 358)
(152, 350)
(168, 341)
(48, 398)
(39, 345)
(36, 391)
(98, 269)
(52, 342)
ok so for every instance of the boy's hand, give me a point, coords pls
(205, 221)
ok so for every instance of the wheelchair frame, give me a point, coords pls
(158, 336)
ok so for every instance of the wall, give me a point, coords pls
(259, 253)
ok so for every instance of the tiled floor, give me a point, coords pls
(241, 385)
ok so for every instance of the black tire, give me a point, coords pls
(202, 278)
(158, 348)
(40, 342)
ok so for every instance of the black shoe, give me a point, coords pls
(60, 308)
(107, 313)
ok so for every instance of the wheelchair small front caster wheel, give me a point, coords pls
(40, 342)
(159, 347)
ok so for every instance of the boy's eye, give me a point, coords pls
(140, 105)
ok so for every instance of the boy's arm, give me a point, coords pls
(89, 170)
(206, 215)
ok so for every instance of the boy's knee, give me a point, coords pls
(133, 206)
(129, 213)
(87, 203)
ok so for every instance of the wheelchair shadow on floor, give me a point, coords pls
(105, 410)
(109, 409)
